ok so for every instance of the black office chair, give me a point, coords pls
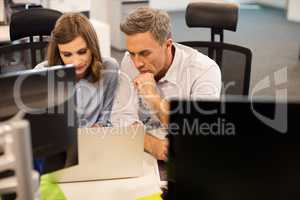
(233, 60)
(29, 33)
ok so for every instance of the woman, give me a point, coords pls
(74, 41)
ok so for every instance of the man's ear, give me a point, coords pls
(169, 43)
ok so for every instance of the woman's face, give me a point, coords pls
(76, 52)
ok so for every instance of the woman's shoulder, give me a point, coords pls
(41, 65)
(110, 72)
(110, 69)
(110, 63)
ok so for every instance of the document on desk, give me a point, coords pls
(125, 189)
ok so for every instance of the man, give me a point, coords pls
(155, 69)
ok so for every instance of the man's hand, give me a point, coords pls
(156, 147)
(145, 85)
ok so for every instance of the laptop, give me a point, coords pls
(234, 149)
(106, 153)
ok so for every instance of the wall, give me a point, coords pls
(293, 10)
(69, 5)
(178, 5)
(99, 10)
(275, 3)
(242, 1)
(175, 5)
(169, 5)
(2, 12)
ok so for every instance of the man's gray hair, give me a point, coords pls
(144, 19)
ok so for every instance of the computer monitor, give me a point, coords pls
(234, 149)
(48, 99)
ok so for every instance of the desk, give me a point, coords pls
(125, 189)
(4, 34)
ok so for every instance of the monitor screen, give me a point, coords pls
(234, 149)
(47, 97)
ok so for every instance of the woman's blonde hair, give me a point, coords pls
(67, 28)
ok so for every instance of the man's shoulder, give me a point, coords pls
(196, 64)
(193, 58)
(127, 66)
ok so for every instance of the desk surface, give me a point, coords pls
(125, 189)
(4, 34)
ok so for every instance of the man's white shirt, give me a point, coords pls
(191, 76)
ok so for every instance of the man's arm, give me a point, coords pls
(146, 87)
(125, 105)
(156, 147)
(125, 111)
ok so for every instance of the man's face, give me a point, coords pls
(147, 54)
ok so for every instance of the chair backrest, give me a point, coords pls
(28, 29)
(32, 22)
(217, 16)
(233, 60)
(235, 66)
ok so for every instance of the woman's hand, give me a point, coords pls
(96, 125)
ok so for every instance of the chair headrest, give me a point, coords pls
(217, 15)
(32, 22)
